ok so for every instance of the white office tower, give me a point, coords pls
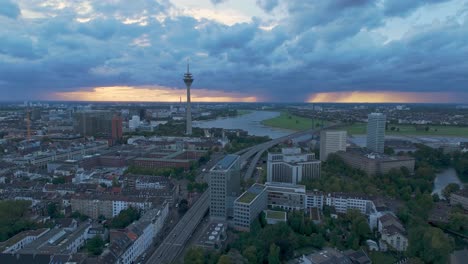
(331, 141)
(134, 123)
(376, 132)
(292, 166)
(224, 187)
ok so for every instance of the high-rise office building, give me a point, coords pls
(331, 141)
(134, 123)
(376, 132)
(188, 80)
(292, 166)
(224, 187)
(116, 127)
(93, 123)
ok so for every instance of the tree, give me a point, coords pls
(250, 253)
(95, 245)
(53, 211)
(125, 217)
(449, 189)
(183, 206)
(429, 244)
(115, 182)
(194, 256)
(12, 218)
(224, 259)
(273, 255)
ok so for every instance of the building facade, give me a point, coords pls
(332, 141)
(392, 232)
(292, 166)
(376, 132)
(376, 163)
(286, 196)
(224, 187)
(249, 205)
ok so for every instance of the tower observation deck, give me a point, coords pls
(188, 80)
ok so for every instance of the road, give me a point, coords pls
(174, 243)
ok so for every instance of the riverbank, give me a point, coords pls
(410, 130)
(443, 179)
(250, 122)
(293, 122)
(243, 112)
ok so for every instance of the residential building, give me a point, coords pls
(224, 187)
(376, 132)
(342, 202)
(107, 205)
(292, 166)
(376, 163)
(249, 205)
(129, 244)
(460, 197)
(286, 196)
(21, 240)
(57, 241)
(392, 232)
(331, 141)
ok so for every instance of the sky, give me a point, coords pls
(239, 50)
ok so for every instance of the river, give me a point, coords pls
(443, 179)
(250, 122)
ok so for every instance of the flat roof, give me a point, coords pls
(226, 162)
(247, 197)
(280, 215)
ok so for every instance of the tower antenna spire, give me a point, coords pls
(188, 65)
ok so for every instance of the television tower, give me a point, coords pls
(188, 80)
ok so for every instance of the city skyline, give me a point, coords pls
(270, 51)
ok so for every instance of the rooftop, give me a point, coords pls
(226, 162)
(246, 197)
(249, 195)
(275, 214)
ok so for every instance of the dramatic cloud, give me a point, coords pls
(215, 2)
(291, 51)
(9, 9)
(267, 5)
(147, 94)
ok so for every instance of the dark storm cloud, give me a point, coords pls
(320, 46)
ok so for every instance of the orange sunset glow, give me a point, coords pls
(150, 94)
(385, 97)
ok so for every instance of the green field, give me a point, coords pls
(360, 128)
(243, 112)
(289, 121)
